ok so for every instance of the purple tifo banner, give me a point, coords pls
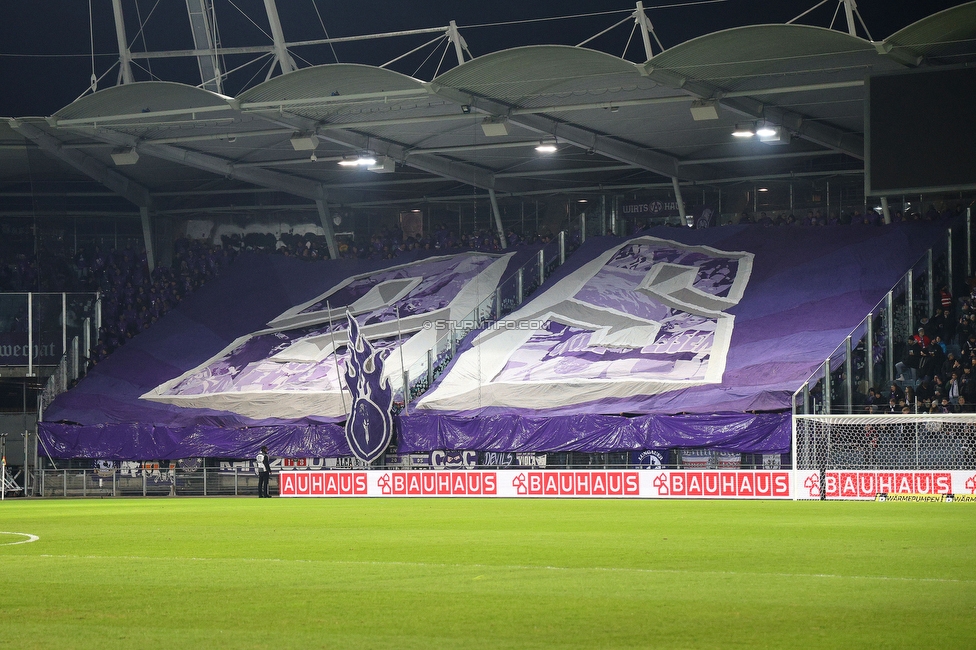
(679, 320)
(105, 411)
(144, 441)
(370, 424)
(742, 432)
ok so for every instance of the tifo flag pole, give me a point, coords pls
(335, 353)
(403, 368)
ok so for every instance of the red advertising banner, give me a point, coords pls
(646, 484)
(868, 485)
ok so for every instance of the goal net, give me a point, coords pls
(885, 442)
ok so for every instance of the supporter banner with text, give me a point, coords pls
(632, 484)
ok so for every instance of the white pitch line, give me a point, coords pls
(512, 567)
(30, 538)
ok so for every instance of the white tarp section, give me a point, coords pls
(642, 318)
(290, 369)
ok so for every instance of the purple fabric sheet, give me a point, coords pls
(809, 288)
(104, 413)
(742, 432)
(148, 442)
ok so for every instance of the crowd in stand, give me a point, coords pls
(133, 298)
(386, 244)
(937, 371)
(856, 217)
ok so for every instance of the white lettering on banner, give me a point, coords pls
(867, 485)
(741, 484)
(529, 483)
(453, 459)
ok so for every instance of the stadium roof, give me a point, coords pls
(618, 126)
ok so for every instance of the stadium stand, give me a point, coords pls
(795, 294)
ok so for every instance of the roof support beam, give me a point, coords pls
(118, 183)
(281, 51)
(498, 220)
(325, 217)
(263, 177)
(813, 131)
(113, 180)
(125, 57)
(199, 14)
(147, 238)
(625, 152)
(437, 165)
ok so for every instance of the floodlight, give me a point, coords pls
(546, 148)
(704, 109)
(774, 135)
(358, 161)
(304, 141)
(744, 130)
(382, 165)
(126, 156)
(494, 127)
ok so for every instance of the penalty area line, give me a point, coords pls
(30, 538)
(513, 567)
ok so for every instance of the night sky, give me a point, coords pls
(45, 51)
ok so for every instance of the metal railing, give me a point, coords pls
(867, 354)
(37, 328)
(511, 292)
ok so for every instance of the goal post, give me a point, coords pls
(827, 446)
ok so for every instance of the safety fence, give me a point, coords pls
(868, 355)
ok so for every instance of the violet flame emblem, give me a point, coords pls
(370, 424)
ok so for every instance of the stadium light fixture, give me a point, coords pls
(766, 130)
(546, 147)
(304, 141)
(744, 130)
(125, 156)
(362, 160)
(770, 134)
(494, 127)
(704, 109)
(382, 165)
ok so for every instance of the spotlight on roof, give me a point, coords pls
(362, 160)
(304, 141)
(546, 147)
(763, 189)
(773, 134)
(494, 126)
(581, 200)
(126, 156)
(382, 165)
(744, 130)
(465, 109)
(704, 109)
(765, 130)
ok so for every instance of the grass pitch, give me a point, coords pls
(486, 573)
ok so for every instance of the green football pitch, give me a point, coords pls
(486, 573)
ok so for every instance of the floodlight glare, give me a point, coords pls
(766, 130)
(359, 161)
(746, 130)
(546, 148)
